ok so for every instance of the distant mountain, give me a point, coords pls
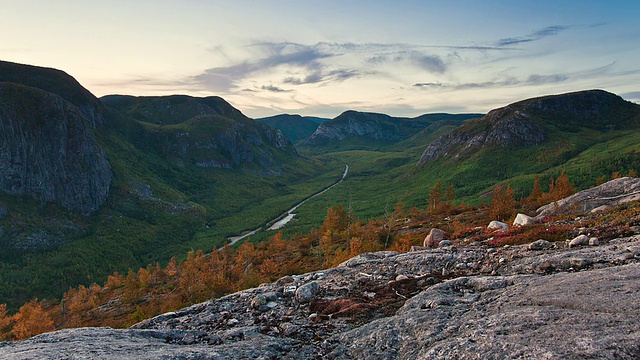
(294, 127)
(380, 128)
(207, 132)
(530, 122)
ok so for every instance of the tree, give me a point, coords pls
(562, 188)
(450, 195)
(31, 320)
(336, 220)
(435, 198)
(5, 321)
(503, 205)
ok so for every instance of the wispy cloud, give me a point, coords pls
(506, 81)
(429, 84)
(320, 76)
(429, 62)
(318, 64)
(534, 36)
(274, 89)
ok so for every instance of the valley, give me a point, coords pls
(159, 187)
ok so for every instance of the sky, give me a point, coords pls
(320, 58)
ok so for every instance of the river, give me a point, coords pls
(283, 219)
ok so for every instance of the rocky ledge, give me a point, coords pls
(450, 302)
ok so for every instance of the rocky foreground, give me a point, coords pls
(471, 302)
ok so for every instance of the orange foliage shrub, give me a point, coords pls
(31, 320)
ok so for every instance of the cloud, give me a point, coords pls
(274, 89)
(429, 62)
(315, 64)
(534, 36)
(270, 56)
(546, 79)
(533, 79)
(322, 77)
(429, 84)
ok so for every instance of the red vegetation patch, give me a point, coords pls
(372, 300)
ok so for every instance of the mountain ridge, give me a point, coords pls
(529, 122)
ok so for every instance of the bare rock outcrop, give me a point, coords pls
(493, 303)
(609, 194)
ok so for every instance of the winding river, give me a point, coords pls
(283, 219)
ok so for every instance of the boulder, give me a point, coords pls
(523, 220)
(433, 239)
(497, 225)
(540, 245)
(579, 241)
(594, 241)
(444, 243)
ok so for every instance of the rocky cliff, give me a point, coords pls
(529, 123)
(465, 300)
(48, 150)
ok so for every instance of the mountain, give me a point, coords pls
(56, 82)
(530, 122)
(89, 187)
(362, 127)
(207, 132)
(294, 127)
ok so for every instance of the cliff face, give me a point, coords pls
(502, 127)
(529, 122)
(48, 150)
